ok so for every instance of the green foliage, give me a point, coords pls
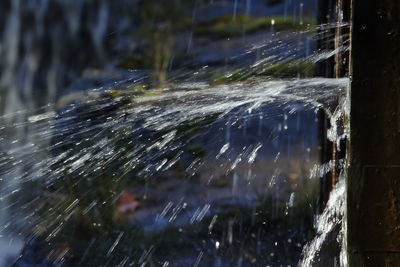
(284, 69)
(159, 23)
(288, 69)
(133, 62)
(225, 26)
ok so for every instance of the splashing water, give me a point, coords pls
(189, 174)
(329, 247)
(76, 162)
(322, 251)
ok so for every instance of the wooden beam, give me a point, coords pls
(373, 184)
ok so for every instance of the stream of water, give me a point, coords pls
(199, 171)
(193, 156)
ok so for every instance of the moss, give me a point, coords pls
(149, 93)
(289, 69)
(284, 69)
(226, 26)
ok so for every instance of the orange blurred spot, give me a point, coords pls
(127, 203)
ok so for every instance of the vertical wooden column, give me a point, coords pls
(342, 38)
(373, 184)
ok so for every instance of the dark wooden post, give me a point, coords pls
(373, 184)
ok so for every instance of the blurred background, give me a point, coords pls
(48, 45)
